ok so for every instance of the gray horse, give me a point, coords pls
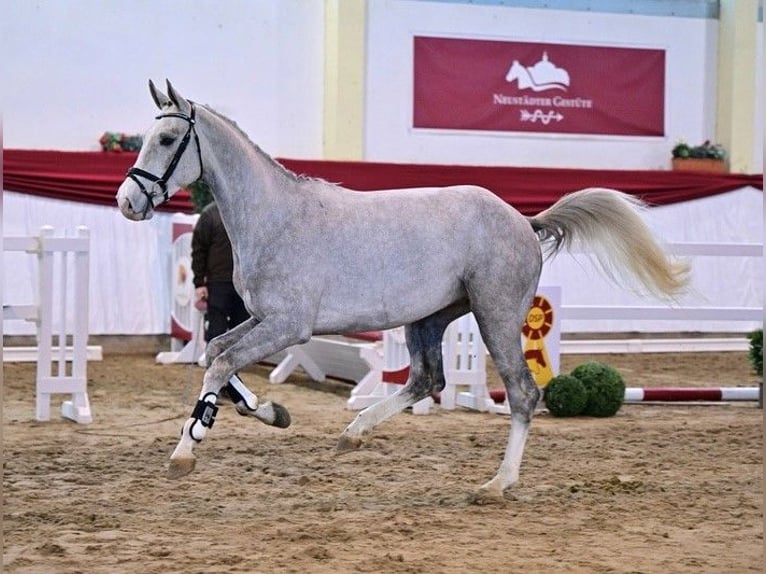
(315, 258)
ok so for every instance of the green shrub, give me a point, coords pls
(604, 386)
(565, 396)
(756, 350)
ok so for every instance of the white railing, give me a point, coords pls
(732, 314)
(70, 257)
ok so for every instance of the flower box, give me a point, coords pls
(699, 164)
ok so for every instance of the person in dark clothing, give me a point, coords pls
(213, 266)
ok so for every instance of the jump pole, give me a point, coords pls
(699, 394)
(675, 394)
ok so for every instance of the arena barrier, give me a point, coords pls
(465, 367)
(336, 356)
(60, 254)
(729, 314)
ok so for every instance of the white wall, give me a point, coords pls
(74, 69)
(690, 44)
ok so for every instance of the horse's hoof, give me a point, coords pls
(180, 467)
(347, 444)
(485, 496)
(281, 416)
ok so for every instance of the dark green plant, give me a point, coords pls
(200, 195)
(756, 350)
(604, 386)
(565, 396)
(706, 150)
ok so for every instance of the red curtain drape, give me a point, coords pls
(93, 177)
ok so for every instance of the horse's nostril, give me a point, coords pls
(130, 206)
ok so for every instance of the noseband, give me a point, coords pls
(162, 182)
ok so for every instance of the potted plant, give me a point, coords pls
(706, 157)
(119, 142)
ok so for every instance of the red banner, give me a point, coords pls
(93, 177)
(534, 87)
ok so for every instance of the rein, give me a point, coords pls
(162, 182)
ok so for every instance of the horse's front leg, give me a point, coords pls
(247, 404)
(227, 339)
(262, 340)
(195, 428)
(245, 401)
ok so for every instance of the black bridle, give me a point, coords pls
(162, 182)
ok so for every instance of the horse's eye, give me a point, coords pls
(167, 140)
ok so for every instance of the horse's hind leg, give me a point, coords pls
(424, 339)
(418, 387)
(504, 344)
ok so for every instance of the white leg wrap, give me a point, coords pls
(203, 417)
(250, 399)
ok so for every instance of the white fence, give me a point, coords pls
(57, 254)
(733, 314)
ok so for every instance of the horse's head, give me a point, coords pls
(514, 71)
(169, 160)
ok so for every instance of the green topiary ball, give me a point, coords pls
(604, 386)
(565, 396)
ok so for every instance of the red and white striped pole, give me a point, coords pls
(680, 394)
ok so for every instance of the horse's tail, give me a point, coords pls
(608, 223)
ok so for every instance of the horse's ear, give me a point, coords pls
(159, 98)
(179, 101)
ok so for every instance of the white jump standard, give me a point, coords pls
(71, 256)
(458, 249)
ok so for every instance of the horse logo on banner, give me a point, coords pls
(544, 75)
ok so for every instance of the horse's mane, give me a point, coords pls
(274, 163)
